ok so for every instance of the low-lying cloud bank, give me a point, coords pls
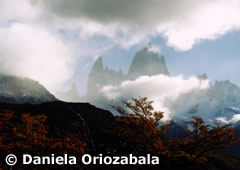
(158, 88)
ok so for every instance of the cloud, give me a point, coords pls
(183, 23)
(61, 32)
(233, 120)
(159, 88)
(13, 10)
(213, 19)
(34, 44)
(34, 52)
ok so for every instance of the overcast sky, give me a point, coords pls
(55, 42)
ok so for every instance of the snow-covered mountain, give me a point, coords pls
(23, 90)
(220, 101)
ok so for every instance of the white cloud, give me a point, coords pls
(233, 120)
(212, 20)
(159, 88)
(35, 44)
(33, 52)
(183, 23)
(15, 10)
(30, 41)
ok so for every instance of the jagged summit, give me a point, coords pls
(226, 91)
(100, 76)
(98, 65)
(147, 62)
(220, 100)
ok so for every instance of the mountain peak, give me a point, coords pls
(147, 62)
(98, 65)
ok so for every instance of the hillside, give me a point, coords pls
(20, 90)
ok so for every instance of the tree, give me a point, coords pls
(205, 138)
(6, 129)
(139, 132)
(30, 135)
(137, 128)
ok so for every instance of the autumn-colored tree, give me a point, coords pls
(6, 129)
(202, 139)
(138, 130)
(30, 135)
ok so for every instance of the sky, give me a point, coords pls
(56, 42)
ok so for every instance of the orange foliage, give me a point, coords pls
(201, 140)
(138, 129)
(139, 133)
(6, 129)
(30, 135)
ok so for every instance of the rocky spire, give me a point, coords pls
(149, 63)
(98, 65)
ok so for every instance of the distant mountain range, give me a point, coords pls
(145, 62)
(221, 100)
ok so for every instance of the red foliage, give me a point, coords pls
(30, 135)
(139, 133)
(138, 129)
